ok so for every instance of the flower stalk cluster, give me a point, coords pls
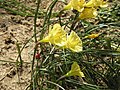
(58, 36)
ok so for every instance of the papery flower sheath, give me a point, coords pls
(56, 36)
(75, 71)
(74, 42)
(92, 36)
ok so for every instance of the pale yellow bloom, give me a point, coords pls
(75, 4)
(73, 42)
(56, 36)
(92, 36)
(75, 71)
(88, 10)
(88, 13)
(96, 3)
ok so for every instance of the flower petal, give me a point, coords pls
(56, 36)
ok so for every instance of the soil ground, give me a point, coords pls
(16, 29)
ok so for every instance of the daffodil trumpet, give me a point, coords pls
(73, 42)
(75, 71)
(56, 36)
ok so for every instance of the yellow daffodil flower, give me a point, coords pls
(92, 36)
(88, 13)
(88, 10)
(75, 4)
(73, 42)
(96, 3)
(75, 71)
(56, 36)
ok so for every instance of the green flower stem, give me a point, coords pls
(56, 84)
(33, 61)
(49, 54)
(47, 17)
(74, 22)
(60, 78)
